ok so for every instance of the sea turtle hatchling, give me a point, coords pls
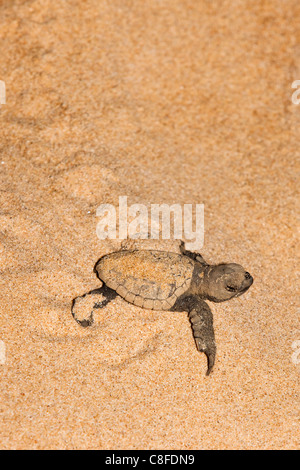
(160, 280)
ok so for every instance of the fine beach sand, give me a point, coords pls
(172, 101)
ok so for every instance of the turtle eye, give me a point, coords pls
(247, 275)
(230, 288)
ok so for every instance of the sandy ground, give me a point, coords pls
(166, 101)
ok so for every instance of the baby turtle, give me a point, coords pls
(160, 280)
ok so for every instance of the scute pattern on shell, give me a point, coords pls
(150, 279)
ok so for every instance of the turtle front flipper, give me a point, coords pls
(83, 306)
(190, 254)
(201, 318)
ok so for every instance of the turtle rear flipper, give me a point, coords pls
(83, 306)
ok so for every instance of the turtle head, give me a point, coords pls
(225, 281)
